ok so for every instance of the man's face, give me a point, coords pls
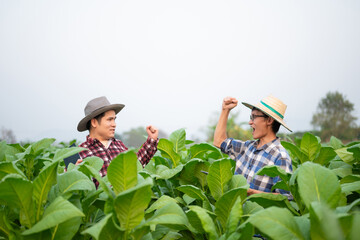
(105, 128)
(259, 124)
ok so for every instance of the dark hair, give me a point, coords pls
(98, 118)
(275, 126)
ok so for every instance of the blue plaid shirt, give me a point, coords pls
(249, 160)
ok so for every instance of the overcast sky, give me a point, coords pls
(171, 62)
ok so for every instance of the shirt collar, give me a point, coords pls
(268, 146)
(94, 141)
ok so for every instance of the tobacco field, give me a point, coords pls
(174, 198)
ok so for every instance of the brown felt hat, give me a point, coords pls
(96, 107)
(272, 107)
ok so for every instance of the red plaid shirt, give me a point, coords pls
(96, 148)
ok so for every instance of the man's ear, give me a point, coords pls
(94, 122)
(270, 121)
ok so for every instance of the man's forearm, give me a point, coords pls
(147, 151)
(251, 191)
(220, 130)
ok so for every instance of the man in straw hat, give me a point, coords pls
(99, 120)
(250, 156)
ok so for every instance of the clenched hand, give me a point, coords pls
(152, 132)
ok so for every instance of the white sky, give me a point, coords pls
(171, 62)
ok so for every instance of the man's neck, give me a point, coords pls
(266, 139)
(105, 142)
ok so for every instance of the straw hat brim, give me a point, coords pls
(267, 112)
(82, 124)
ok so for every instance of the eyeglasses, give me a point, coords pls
(253, 116)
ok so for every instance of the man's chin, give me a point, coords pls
(255, 136)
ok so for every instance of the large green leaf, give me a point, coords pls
(219, 175)
(225, 203)
(355, 230)
(243, 232)
(326, 155)
(130, 206)
(344, 155)
(206, 221)
(60, 154)
(295, 151)
(102, 183)
(304, 225)
(268, 200)
(238, 181)
(59, 211)
(67, 229)
(122, 171)
(199, 173)
(167, 150)
(317, 183)
(190, 170)
(277, 223)
(310, 145)
(195, 222)
(4, 224)
(163, 172)
(17, 192)
(193, 192)
(350, 179)
(94, 162)
(8, 150)
(170, 214)
(105, 229)
(161, 202)
(347, 208)
(340, 168)
(235, 215)
(38, 146)
(178, 139)
(9, 167)
(274, 171)
(335, 143)
(202, 149)
(324, 223)
(170, 235)
(42, 184)
(355, 149)
(250, 208)
(74, 180)
(348, 188)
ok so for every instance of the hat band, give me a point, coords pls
(273, 110)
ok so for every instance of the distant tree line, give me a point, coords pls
(7, 135)
(135, 137)
(334, 117)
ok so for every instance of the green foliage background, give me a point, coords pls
(173, 198)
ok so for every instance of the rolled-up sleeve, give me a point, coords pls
(232, 147)
(147, 151)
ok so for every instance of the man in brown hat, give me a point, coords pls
(250, 156)
(99, 120)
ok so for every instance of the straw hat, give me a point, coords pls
(272, 107)
(96, 107)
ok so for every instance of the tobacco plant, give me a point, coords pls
(187, 191)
